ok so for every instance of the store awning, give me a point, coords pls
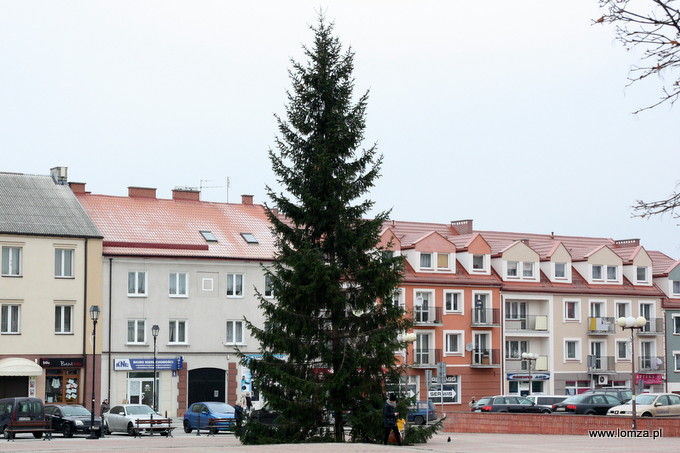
(18, 366)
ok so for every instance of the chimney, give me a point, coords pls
(626, 243)
(59, 175)
(186, 194)
(462, 226)
(77, 187)
(141, 192)
(247, 200)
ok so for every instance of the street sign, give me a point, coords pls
(441, 369)
(428, 375)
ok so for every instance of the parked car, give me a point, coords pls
(650, 405)
(587, 404)
(123, 418)
(546, 401)
(507, 403)
(70, 419)
(198, 415)
(623, 394)
(421, 413)
(20, 408)
(266, 415)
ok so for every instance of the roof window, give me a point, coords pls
(249, 238)
(208, 236)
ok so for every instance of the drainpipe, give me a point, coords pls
(85, 321)
(109, 333)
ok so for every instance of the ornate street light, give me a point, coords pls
(529, 358)
(94, 316)
(632, 324)
(154, 331)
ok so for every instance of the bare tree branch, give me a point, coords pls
(670, 205)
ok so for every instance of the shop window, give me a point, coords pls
(62, 385)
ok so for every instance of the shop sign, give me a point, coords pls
(62, 363)
(147, 364)
(649, 378)
(528, 377)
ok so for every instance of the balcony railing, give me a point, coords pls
(427, 315)
(531, 323)
(654, 326)
(484, 317)
(486, 358)
(516, 364)
(602, 326)
(598, 364)
(650, 364)
(426, 358)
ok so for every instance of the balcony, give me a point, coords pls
(427, 316)
(514, 365)
(486, 358)
(531, 323)
(650, 364)
(601, 364)
(602, 326)
(486, 317)
(654, 326)
(426, 358)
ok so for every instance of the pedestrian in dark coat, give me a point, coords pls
(390, 419)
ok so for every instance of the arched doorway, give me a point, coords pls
(207, 384)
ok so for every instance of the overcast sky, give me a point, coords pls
(512, 113)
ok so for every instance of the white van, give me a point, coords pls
(546, 401)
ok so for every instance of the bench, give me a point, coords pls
(215, 424)
(158, 424)
(29, 426)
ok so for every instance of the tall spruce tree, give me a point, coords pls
(330, 336)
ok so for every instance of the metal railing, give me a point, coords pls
(650, 364)
(602, 326)
(427, 315)
(426, 357)
(486, 317)
(654, 326)
(516, 364)
(601, 363)
(530, 323)
(485, 357)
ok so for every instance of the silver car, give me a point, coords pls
(123, 418)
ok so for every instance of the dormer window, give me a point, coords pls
(513, 267)
(443, 261)
(426, 261)
(612, 273)
(597, 272)
(528, 269)
(477, 262)
(641, 274)
(560, 270)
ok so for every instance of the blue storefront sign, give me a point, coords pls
(528, 377)
(148, 364)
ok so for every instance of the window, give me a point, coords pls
(453, 342)
(426, 261)
(572, 349)
(63, 263)
(11, 261)
(676, 325)
(136, 283)
(515, 348)
(478, 262)
(268, 288)
(597, 272)
(622, 309)
(612, 273)
(571, 310)
(528, 269)
(513, 267)
(178, 284)
(249, 238)
(453, 302)
(234, 332)
(560, 270)
(676, 287)
(443, 261)
(63, 316)
(208, 236)
(234, 285)
(641, 272)
(178, 331)
(136, 331)
(9, 321)
(676, 356)
(622, 349)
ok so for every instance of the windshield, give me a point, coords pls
(139, 410)
(219, 407)
(644, 399)
(71, 411)
(483, 401)
(577, 398)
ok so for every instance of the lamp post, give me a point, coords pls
(632, 324)
(94, 316)
(529, 358)
(407, 338)
(154, 331)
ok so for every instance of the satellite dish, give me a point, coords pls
(469, 347)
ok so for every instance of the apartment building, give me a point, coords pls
(667, 277)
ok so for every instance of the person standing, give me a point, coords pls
(104, 408)
(390, 419)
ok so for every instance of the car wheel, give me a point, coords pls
(187, 426)
(105, 429)
(647, 414)
(37, 435)
(130, 429)
(590, 413)
(66, 429)
(419, 420)
(546, 411)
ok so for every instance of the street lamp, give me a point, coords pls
(94, 316)
(407, 338)
(154, 331)
(632, 324)
(529, 358)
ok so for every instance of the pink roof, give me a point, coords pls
(160, 227)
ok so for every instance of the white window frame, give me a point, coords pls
(136, 284)
(627, 356)
(268, 288)
(616, 273)
(461, 342)
(592, 272)
(174, 326)
(637, 275)
(421, 255)
(599, 302)
(622, 303)
(234, 341)
(675, 291)
(578, 351)
(232, 279)
(577, 310)
(7, 327)
(135, 339)
(676, 361)
(514, 266)
(11, 260)
(177, 277)
(560, 277)
(484, 267)
(61, 313)
(208, 284)
(62, 267)
(676, 325)
(461, 303)
(526, 267)
(448, 261)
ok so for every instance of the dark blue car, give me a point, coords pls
(201, 414)
(422, 413)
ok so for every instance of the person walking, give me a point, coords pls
(390, 419)
(104, 407)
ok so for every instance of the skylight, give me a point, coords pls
(249, 238)
(208, 236)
